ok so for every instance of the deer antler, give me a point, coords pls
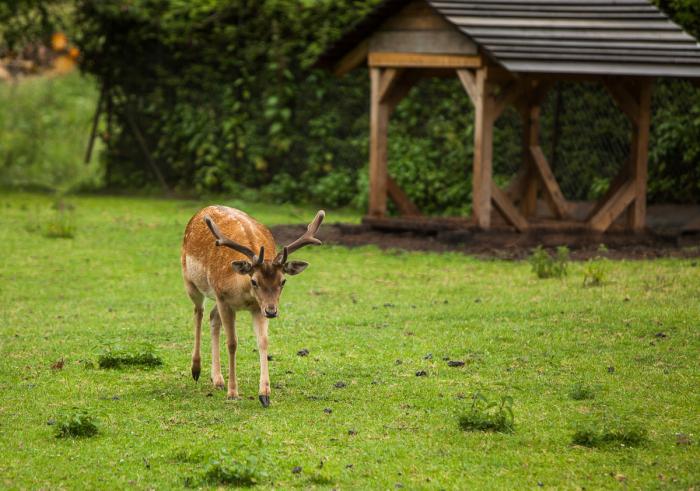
(222, 240)
(306, 239)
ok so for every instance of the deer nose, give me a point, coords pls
(270, 311)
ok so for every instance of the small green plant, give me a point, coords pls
(61, 224)
(485, 415)
(609, 434)
(581, 392)
(595, 271)
(75, 424)
(227, 470)
(546, 266)
(117, 357)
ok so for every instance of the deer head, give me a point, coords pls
(267, 278)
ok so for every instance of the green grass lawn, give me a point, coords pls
(371, 320)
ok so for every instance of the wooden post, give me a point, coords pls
(636, 217)
(531, 137)
(483, 152)
(379, 126)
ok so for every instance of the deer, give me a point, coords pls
(229, 257)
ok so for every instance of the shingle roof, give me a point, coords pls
(624, 37)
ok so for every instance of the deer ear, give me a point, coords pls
(242, 267)
(294, 267)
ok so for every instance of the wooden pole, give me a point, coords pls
(531, 137)
(640, 152)
(483, 152)
(95, 121)
(379, 126)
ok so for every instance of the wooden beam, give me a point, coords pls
(379, 125)
(417, 60)
(640, 153)
(389, 78)
(511, 93)
(483, 153)
(403, 85)
(403, 203)
(530, 112)
(468, 80)
(624, 100)
(505, 206)
(549, 182)
(352, 60)
(612, 208)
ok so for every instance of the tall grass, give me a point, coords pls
(44, 129)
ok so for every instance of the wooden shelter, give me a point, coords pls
(510, 52)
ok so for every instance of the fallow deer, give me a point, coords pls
(237, 278)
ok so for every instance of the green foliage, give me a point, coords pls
(26, 22)
(76, 423)
(595, 271)
(581, 392)
(61, 224)
(118, 357)
(45, 124)
(544, 265)
(485, 415)
(228, 470)
(615, 433)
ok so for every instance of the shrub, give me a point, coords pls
(117, 357)
(485, 415)
(61, 224)
(76, 423)
(546, 266)
(581, 391)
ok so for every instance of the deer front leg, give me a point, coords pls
(260, 323)
(215, 322)
(228, 319)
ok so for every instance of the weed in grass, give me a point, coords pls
(61, 224)
(595, 271)
(229, 471)
(117, 357)
(546, 266)
(485, 415)
(609, 434)
(76, 423)
(581, 392)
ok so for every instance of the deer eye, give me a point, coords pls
(283, 282)
(255, 283)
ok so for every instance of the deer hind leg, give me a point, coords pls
(228, 319)
(215, 322)
(260, 325)
(198, 301)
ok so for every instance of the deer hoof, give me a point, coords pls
(264, 400)
(233, 398)
(195, 373)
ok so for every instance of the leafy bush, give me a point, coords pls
(228, 470)
(117, 357)
(485, 415)
(61, 224)
(581, 391)
(76, 423)
(45, 124)
(546, 266)
(609, 434)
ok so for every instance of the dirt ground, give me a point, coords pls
(503, 244)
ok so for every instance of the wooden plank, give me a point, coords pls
(505, 206)
(624, 100)
(353, 59)
(483, 153)
(468, 80)
(637, 215)
(612, 208)
(417, 15)
(444, 41)
(403, 203)
(510, 94)
(388, 80)
(406, 80)
(379, 124)
(416, 60)
(549, 183)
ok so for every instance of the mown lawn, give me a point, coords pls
(633, 344)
